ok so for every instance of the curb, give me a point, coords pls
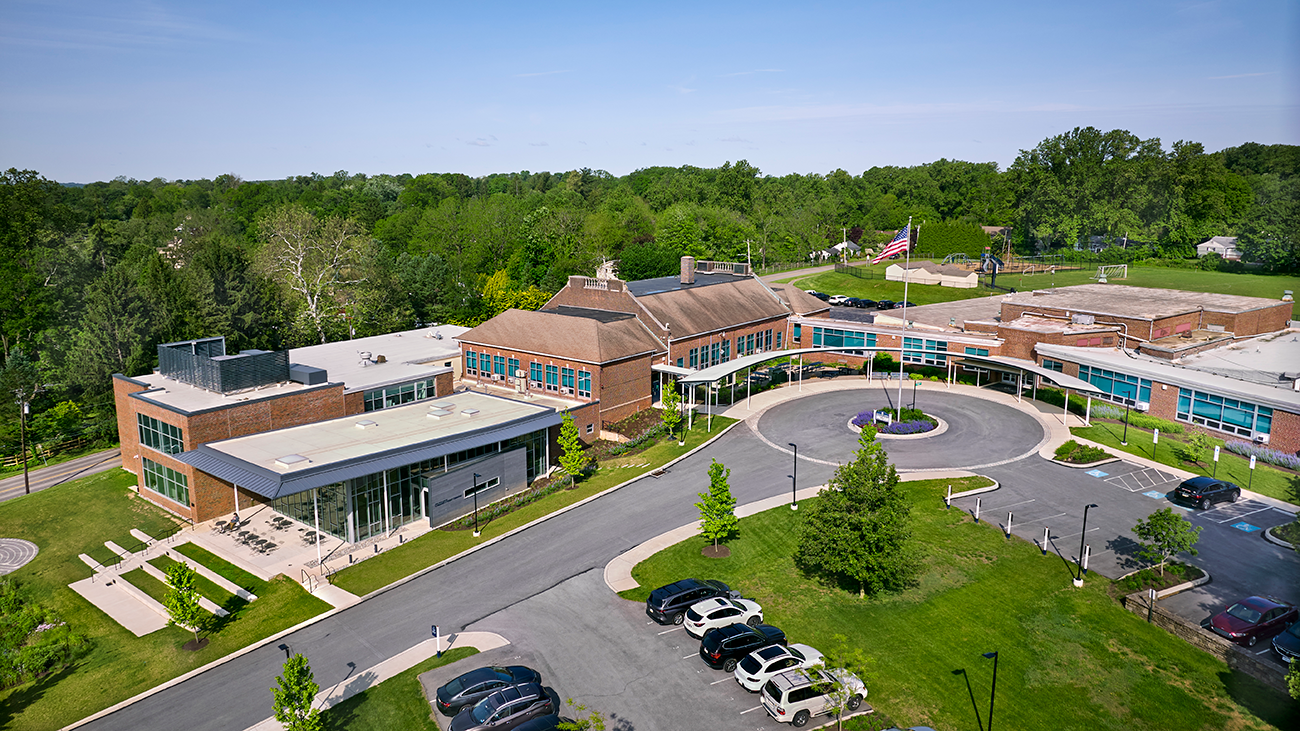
(1088, 465)
(978, 490)
(1275, 540)
(941, 428)
(1205, 579)
(321, 617)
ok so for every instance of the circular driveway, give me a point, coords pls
(980, 432)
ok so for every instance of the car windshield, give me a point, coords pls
(1294, 629)
(1243, 612)
(751, 664)
(484, 710)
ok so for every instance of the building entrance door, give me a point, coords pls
(368, 506)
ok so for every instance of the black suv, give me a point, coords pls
(1202, 491)
(723, 647)
(885, 304)
(505, 709)
(669, 603)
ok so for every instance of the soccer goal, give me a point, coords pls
(1111, 271)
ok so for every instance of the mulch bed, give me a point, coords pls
(718, 551)
(637, 424)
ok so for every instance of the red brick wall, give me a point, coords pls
(442, 385)
(624, 389)
(1285, 436)
(525, 361)
(682, 348)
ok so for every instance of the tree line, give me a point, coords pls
(94, 276)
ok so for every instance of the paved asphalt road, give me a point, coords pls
(11, 487)
(542, 588)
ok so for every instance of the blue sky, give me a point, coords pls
(94, 90)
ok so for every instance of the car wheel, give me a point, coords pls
(729, 666)
(1236, 495)
(800, 719)
(753, 621)
(1204, 504)
(1251, 640)
(678, 618)
(854, 703)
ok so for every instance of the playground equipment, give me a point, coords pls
(1113, 271)
(960, 259)
(990, 264)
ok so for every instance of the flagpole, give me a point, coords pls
(907, 276)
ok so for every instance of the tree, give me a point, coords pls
(573, 460)
(839, 670)
(594, 721)
(1166, 534)
(1293, 678)
(717, 506)
(182, 599)
(294, 692)
(313, 258)
(672, 411)
(859, 528)
(1195, 448)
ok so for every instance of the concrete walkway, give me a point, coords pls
(400, 663)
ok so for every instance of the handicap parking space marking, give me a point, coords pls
(1097, 473)
(1154, 494)
(1246, 527)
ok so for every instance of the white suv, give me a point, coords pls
(838, 299)
(721, 612)
(795, 696)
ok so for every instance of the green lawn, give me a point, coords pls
(1069, 658)
(1268, 480)
(1268, 286)
(203, 585)
(396, 703)
(439, 545)
(72, 518)
(146, 583)
(222, 567)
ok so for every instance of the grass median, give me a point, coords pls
(1070, 658)
(1267, 480)
(73, 518)
(440, 545)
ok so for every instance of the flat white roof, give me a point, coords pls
(374, 432)
(189, 399)
(408, 355)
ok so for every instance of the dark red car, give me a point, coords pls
(1250, 619)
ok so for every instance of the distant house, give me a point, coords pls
(1224, 246)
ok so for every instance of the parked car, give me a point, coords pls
(866, 303)
(505, 709)
(478, 684)
(760, 666)
(885, 304)
(544, 723)
(901, 305)
(1287, 642)
(851, 302)
(838, 299)
(723, 647)
(795, 696)
(1205, 491)
(668, 604)
(821, 296)
(720, 612)
(1253, 618)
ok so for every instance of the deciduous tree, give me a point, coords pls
(1166, 534)
(672, 411)
(573, 457)
(717, 506)
(294, 692)
(314, 258)
(182, 599)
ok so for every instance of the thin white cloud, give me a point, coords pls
(791, 113)
(540, 73)
(1241, 76)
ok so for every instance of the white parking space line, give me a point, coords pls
(1265, 650)
(1284, 512)
(1061, 538)
(755, 708)
(1237, 517)
(1035, 520)
(721, 681)
(674, 629)
(1012, 505)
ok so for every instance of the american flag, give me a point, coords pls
(897, 246)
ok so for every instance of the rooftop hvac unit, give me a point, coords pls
(1083, 320)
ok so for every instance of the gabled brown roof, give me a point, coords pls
(593, 340)
(691, 312)
(799, 301)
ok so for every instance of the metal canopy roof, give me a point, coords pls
(1016, 365)
(722, 370)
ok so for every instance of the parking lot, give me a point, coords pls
(605, 652)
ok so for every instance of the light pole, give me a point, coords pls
(476, 476)
(914, 385)
(993, 693)
(794, 478)
(1124, 441)
(1082, 537)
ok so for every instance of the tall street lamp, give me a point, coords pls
(994, 693)
(1124, 441)
(476, 476)
(794, 478)
(1082, 537)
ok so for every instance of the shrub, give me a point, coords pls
(33, 639)
(1077, 453)
(920, 426)
(1056, 398)
(1137, 419)
(1263, 454)
(650, 435)
(1196, 448)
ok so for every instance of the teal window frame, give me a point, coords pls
(552, 378)
(1222, 413)
(977, 351)
(535, 372)
(512, 367)
(1117, 386)
(471, 362)
(159, 435)
(584, 384)
(165, 481)
(1053, 365)
(925, 352)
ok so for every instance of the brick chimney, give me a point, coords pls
(688, 270)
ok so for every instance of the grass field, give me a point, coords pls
(396, 703)
(1268, 286)
(1267, 480)
(439, 545)
(1070, 658)
(73, 518)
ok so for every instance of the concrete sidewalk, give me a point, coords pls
(400, 663)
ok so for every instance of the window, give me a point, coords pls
(798, 332)
(977, 351)
(767, 339)
(535, 372)
(1223, 414)
(512, 367)
(499, 365)
(396, 395)
(591, 428)
(471, 362)
(487, 485)
(679, 363)
(566, 378)
(714, 349)
(926, 352)
(552, 378)
(826, 337)
(1118, 387)
(584, 384)
(726, 351)
(160, 435)
(1051, 365)
(778, 339)
(166, 482)
(749, 344)
(695, 357)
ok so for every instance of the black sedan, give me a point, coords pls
(1205, 491)
(885, 304)
(1287, 644)
(476, 685)
(507, 708)
(865, 303)
(723, 647)
(900, 305)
